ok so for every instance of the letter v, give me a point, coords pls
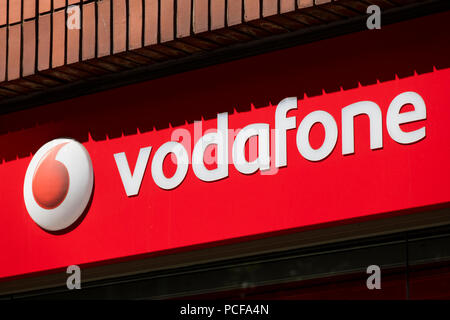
(132, 182)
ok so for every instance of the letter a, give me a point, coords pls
(374, 281)
(374, 20)
(73, 281)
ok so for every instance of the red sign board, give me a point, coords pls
(306, 192)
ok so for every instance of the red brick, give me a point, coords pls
(88, 41)
(287, 6)
(104, 28)
(59, 25)
(73, 17)
(234, 14)
(44, 6)
(270, 7)
(119, 26)
(200, 19)
(167, 16)
(15, 7)
(251, 10)
(217, 14)
(44, 42)
(73, 2)
(29, 9)
(2, 12)
(183, 18)
(73, 45)
(135, 24)
(14, 52)
(305, 3)
(59, 4)
(29, 48)
(151, 22)
(2, 54)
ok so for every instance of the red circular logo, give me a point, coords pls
(58, 184)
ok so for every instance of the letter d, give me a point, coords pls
(219, 138)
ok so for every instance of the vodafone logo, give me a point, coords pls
(283, 123)
(58, 184)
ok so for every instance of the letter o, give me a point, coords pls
(331, 133)
(182, 165)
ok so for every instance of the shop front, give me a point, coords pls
(280, 175)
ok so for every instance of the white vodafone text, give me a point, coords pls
(220, 139)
